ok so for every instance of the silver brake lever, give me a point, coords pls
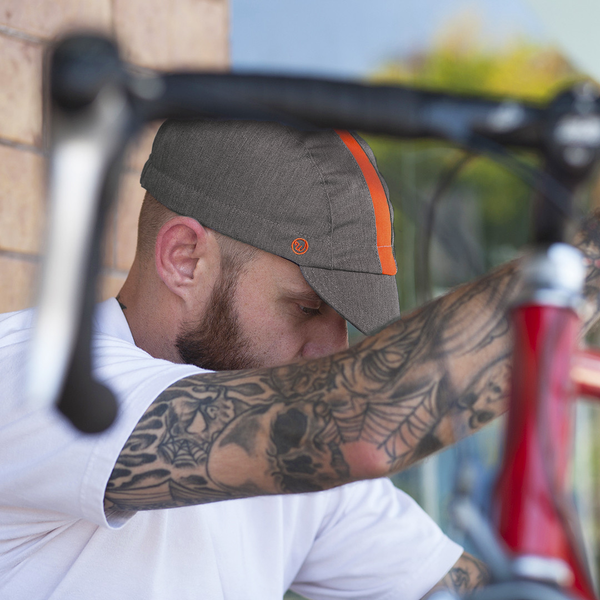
(83, 146)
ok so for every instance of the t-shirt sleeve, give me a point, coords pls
(375, 543)
(51, 470)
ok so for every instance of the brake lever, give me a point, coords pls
(91, 120)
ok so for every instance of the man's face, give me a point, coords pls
(265, 316)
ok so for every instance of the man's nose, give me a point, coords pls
(328, 334)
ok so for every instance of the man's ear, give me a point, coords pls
(183, 252)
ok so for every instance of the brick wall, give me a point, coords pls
(150, 33)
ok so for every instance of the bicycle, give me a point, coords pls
(98, 105)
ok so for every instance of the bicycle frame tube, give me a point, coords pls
(531, 507)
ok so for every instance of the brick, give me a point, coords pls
(47, 19)
(18, 278)
(22, 203)
(21, 91)
(110, 284)
(176, 34)
(128, 209)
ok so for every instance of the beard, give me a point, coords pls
(217, 342)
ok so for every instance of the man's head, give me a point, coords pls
(236, 306)
(215, 341)
(297, 218)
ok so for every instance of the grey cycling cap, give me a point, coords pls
(313, 197)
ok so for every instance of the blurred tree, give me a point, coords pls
(457, 63)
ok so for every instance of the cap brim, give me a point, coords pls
(368, 300)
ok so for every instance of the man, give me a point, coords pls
(255, 243)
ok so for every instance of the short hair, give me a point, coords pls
(153, 215)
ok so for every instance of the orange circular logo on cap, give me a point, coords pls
(299, 246)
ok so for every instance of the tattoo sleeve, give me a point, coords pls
(468, 574)
(434, 376)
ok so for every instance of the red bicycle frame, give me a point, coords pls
(532, 511)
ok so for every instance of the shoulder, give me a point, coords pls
(127, 369)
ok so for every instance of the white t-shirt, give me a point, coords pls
(363, 540)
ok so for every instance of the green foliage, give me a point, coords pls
(458, 63)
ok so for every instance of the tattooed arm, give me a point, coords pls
(425, 381)
(431, 377)
(466, 575)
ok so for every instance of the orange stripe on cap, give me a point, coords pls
(383, 221)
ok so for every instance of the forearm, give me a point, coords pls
(468, 574)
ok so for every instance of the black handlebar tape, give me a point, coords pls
(304, 102)
(81, 66)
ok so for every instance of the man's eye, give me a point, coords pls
(310, 311)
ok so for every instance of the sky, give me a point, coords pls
(352, 38)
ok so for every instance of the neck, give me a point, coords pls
(151, 313)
